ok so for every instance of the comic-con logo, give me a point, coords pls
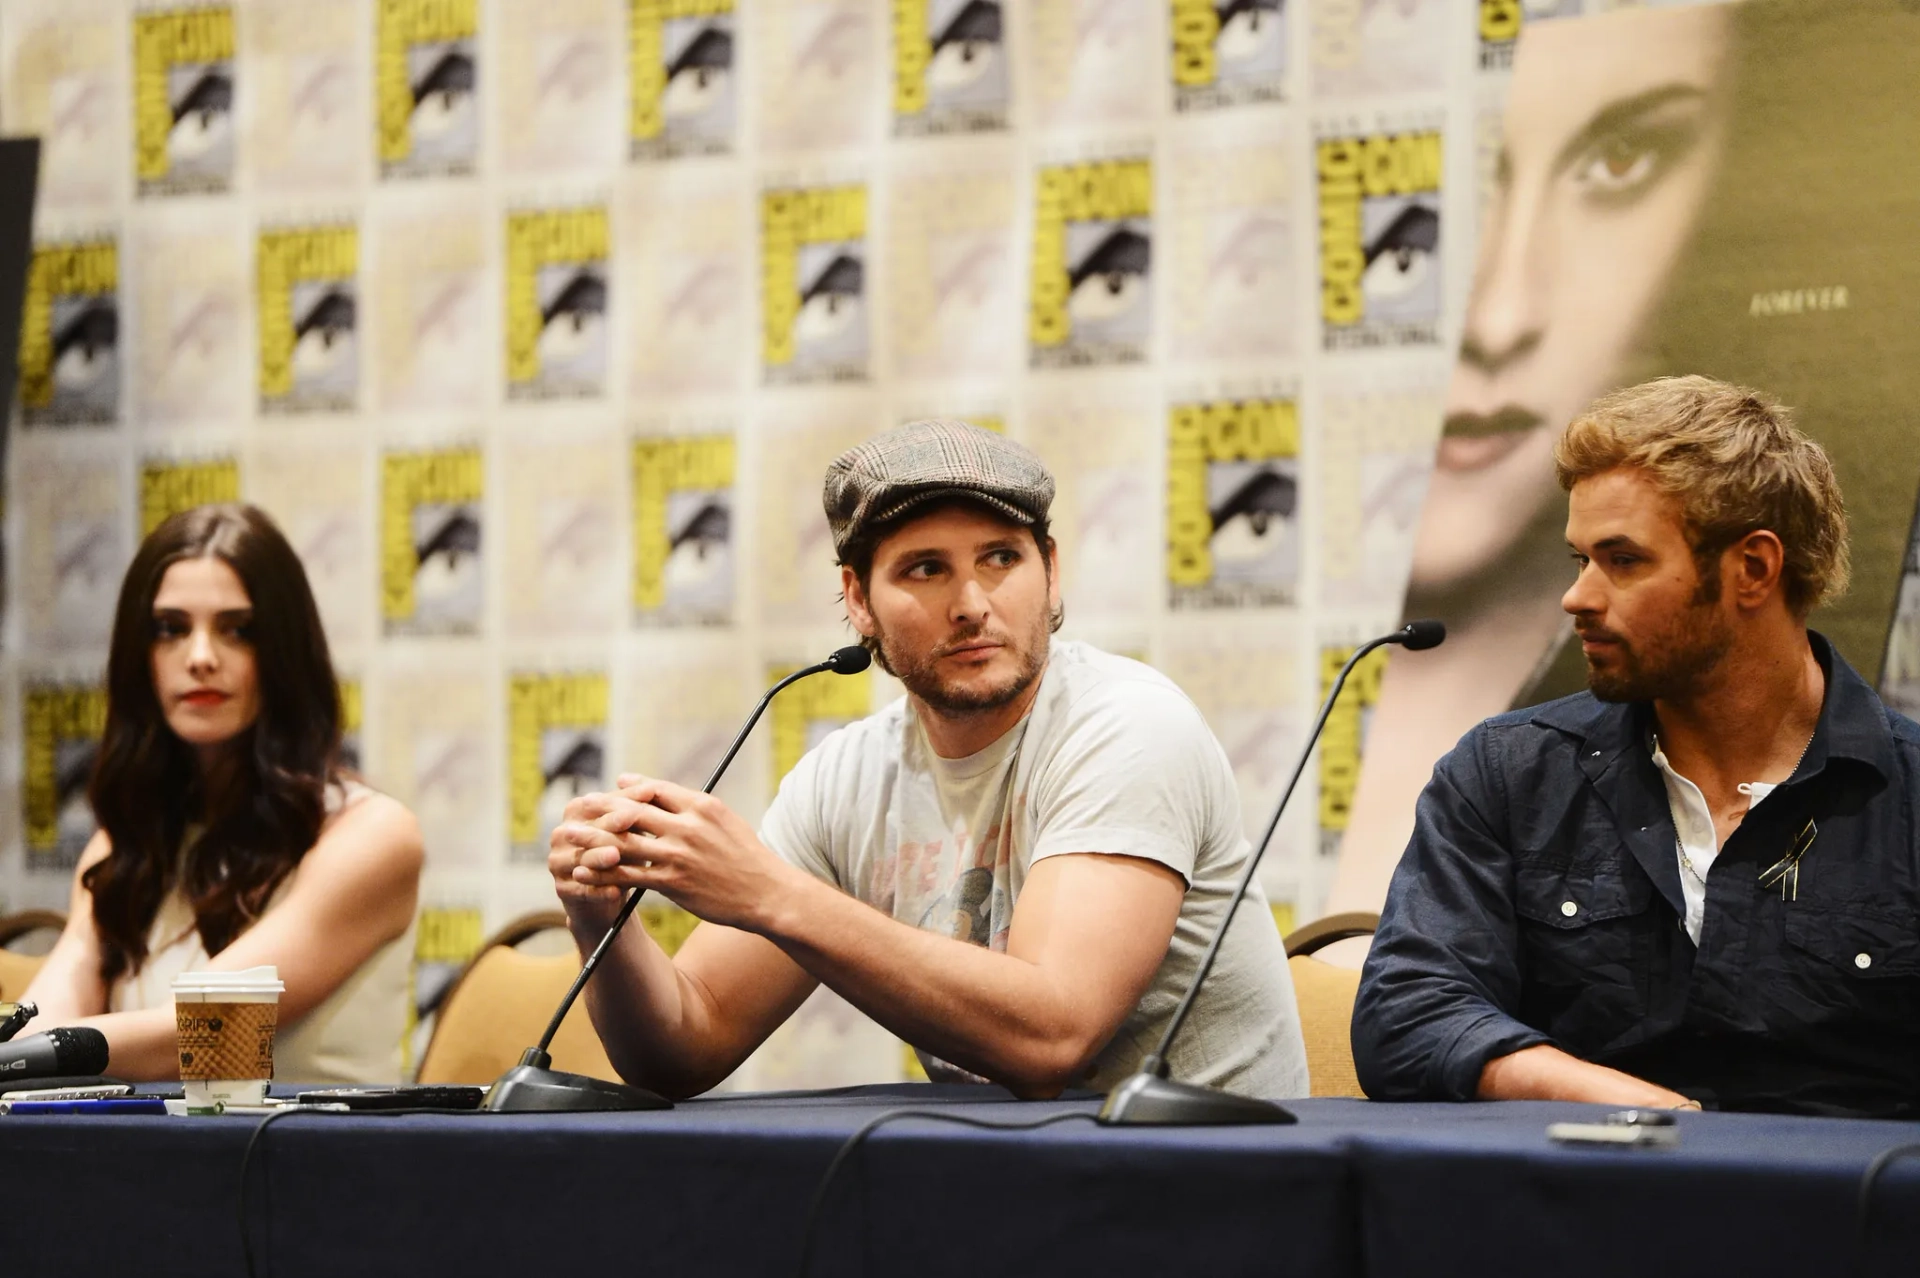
(183, 100)
(1379, 239)
(430, 520)
(1344, 736)
(813, 272)
(61, 726)
(683, 530)
(1233, 500)
(1092, 260)
(557, 303)
(70, 335)
(306, 279)
(680, 63)
(806, 713)
(1499, 21)
(949, 67)
(352, 719)
(1228, 54)
(556, 751)
(170, 487)
(426, 86)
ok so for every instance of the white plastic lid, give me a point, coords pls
(250, 980)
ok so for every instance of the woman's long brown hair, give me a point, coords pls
(146, 787)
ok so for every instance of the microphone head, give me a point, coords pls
(851, 659)
(1423, 634)
(78, 1049)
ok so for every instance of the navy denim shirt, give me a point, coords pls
(1539, 902)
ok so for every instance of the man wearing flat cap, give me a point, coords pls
(1015, 868)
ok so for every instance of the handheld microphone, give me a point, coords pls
(1150, 1096)
(534, 1085)
(59, 1053)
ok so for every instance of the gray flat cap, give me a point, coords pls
(928, 461)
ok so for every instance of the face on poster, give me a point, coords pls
(682, 77)
(70, 335)
(183, 93)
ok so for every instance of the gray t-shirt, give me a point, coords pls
(1113, 758)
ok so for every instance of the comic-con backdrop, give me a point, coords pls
(534, 323)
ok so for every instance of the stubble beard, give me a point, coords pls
(919, 672)
(1673, 665)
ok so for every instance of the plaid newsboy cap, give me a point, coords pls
(927, 461)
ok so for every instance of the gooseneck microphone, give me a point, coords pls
(534, 1085)
(69, 1051)
(1150, 1096)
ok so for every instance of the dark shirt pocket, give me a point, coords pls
(1585, 944)
(1850, 965)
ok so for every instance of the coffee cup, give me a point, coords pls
(225, 1023)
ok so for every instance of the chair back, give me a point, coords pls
(17, 970)
(1325, 994)
(499, 1007)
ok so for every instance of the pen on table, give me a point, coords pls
(89, 1105)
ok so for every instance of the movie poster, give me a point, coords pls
(170, 485)
(318, 492)
(432, 573)
(63, 80)
(189, 292)
(561, 86)
(61, 725)
(1233, 502)
(308, 299)
(683, 530)
(1369, 47)
(433, 307)
(1089, 62)
(556, 751)
(952, 271)
(1376, 451)
(308, 116)
(426, 87)
(813, 273)
(1092, 294)
(561, 500)
(690, 264)
(1379, 236)
(183, 100)
(1229, 248)
(819, 66)
(1229, 55)
(682, 80)
(557, 275)
(949, 67)
(70, 334)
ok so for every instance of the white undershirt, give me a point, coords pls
(1693, 822)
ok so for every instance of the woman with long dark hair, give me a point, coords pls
(230, 835)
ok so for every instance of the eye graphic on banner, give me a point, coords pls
(1344, 737)
(1379, 239)
(681, 67)
(806, 713)
(557, 276)
(70, 335)
(169, 487)
(683, 544)
(308, 296)
(1092, 260)
(427, 86)
(183, 100)
(61, 725)
(431, 570)
(1229, 54)
(1233, 499)
(949, 67)
(814, 281)
(556, 751)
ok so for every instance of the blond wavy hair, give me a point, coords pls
(1735, 462)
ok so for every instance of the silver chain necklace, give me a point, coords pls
(1680, 847)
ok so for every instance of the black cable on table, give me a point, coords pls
(1881, 1161)
(878, 1121)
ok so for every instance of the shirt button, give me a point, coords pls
(1863, 961)
(1569, 909)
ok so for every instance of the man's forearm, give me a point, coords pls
(1543, 1072)
(641, 1008)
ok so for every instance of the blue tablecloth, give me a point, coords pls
(721, 1187)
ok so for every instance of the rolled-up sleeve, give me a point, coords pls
(1444, 972)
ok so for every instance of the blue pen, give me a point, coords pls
(90, 1105)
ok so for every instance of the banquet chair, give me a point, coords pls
(1325, 994)
(17, 969)
(499, 1005)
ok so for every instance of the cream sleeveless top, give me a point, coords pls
(352, 1037)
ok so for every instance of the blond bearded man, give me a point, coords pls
(1015, 868)
(1697, 883)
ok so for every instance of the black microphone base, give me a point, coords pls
(529, 1089)
(1147, 1100)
